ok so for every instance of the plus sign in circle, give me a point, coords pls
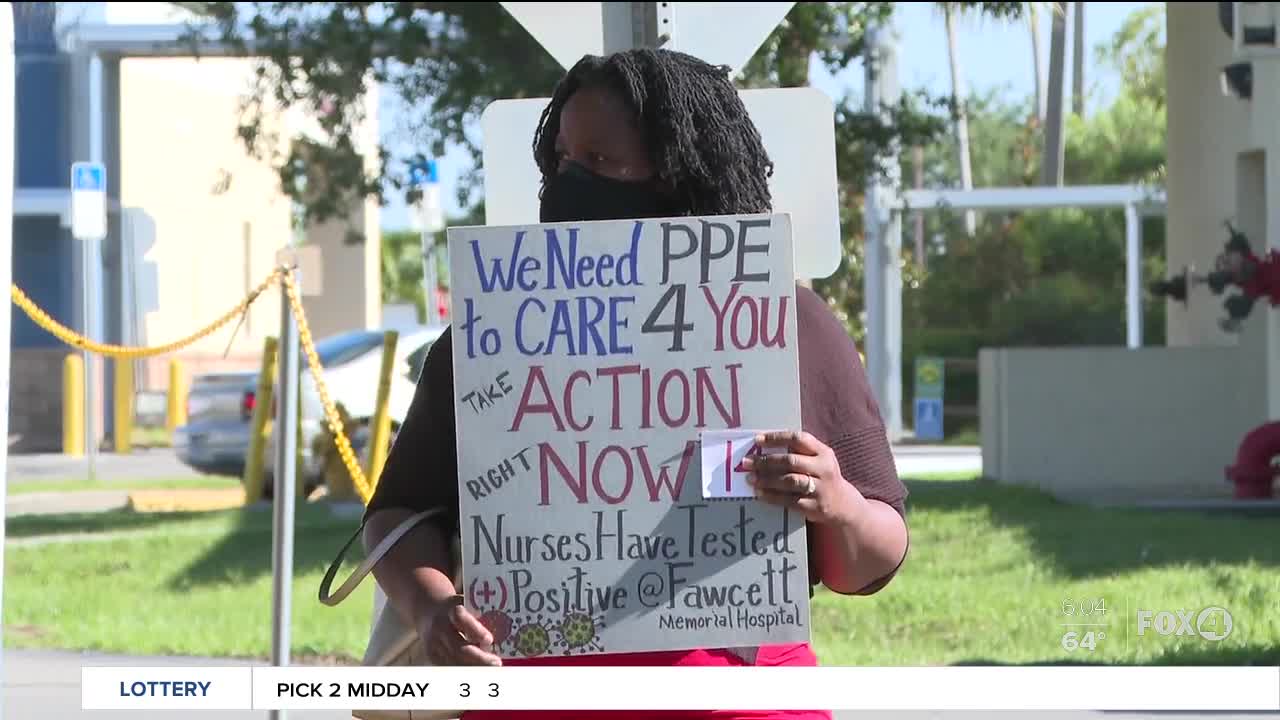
(483, 592)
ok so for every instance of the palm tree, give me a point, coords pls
(1077, 58)
(950, 11)
(1054, 139)
(1033, 17)
(962, 116)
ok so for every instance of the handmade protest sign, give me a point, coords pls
(595, 365)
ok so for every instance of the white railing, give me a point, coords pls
(1135, 200)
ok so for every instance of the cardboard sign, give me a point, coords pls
(589, 361)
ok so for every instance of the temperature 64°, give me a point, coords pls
(1072, 640)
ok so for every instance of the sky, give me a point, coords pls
(994, 55)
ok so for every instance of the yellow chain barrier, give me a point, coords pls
(75, 339)
(283, 274)
(330, 409)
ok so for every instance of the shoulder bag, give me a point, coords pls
(391, 642)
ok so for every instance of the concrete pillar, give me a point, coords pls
(1204, 131)
(351, 289)
(1250, 218)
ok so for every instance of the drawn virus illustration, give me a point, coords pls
(579, 632)
(532, 640)
(499, 623)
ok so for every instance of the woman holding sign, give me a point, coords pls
(645, 134)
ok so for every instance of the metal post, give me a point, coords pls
(91, 263)
(1133, 275)
(628, 25)
(961, 116)
(617, 26)
(8, 100)
(883, 227)
(285, 482)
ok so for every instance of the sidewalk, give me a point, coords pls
(916, 460)
(148, 464)
(57, 503)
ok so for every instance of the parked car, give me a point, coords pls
(220, 406)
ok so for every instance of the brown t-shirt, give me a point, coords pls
(836, 404)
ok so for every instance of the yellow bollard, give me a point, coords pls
(176, 415)
(73, 406)
(123, 405)
(260, 429)
(380, 424)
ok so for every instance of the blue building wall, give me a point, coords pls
(43, 253)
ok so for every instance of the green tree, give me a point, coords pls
(1042, 278)
(1137, 52)
(402, 268)
(448, 61)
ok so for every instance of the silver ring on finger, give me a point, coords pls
(811, 487)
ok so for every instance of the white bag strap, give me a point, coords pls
(366, 566)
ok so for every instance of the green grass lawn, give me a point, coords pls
(21, 487)
(989, 570)
(174, 584)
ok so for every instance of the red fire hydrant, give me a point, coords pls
(1253, 474)
(1257, 276)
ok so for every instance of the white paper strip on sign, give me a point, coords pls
(722, 455)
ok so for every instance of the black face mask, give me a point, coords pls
(579, 195)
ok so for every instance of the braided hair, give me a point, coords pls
(701, 139)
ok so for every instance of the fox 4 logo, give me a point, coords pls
(1212, 623)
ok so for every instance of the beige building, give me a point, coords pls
(194, 222)
(1160, 423)
(215, 221)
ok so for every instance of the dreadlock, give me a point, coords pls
(701, 140)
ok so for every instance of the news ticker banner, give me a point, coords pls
(683, 688)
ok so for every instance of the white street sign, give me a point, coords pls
(428, 211)
(567, 30)
(724, 33)
(88, 201)
(798, 129)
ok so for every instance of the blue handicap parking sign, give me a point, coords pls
(928, 417)
(88, 176)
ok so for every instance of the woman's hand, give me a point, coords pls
(806, 477)
(453, 635)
